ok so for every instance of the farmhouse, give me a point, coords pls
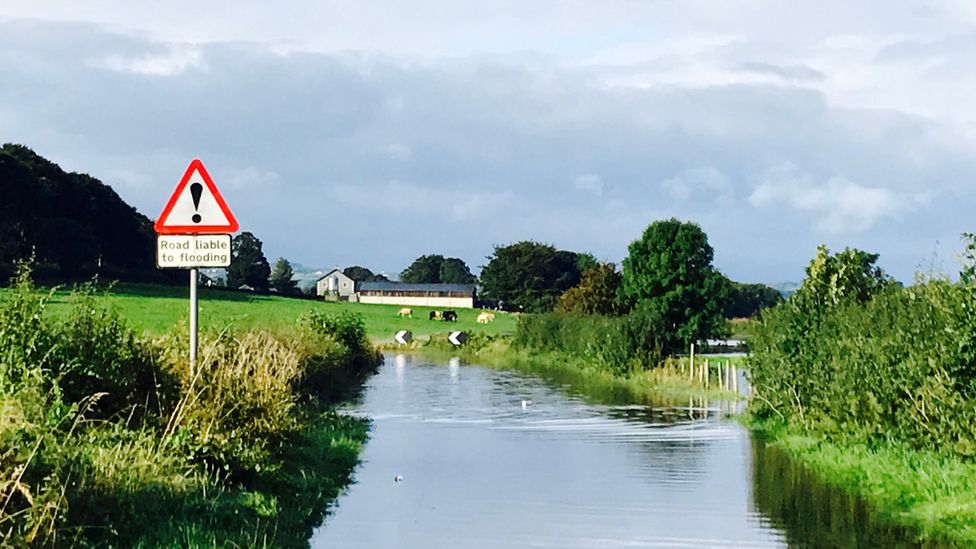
(335, 285)
(430, 295)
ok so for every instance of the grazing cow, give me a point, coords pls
(435, 315)
(450, 316)
(405, 312)
(485, 317)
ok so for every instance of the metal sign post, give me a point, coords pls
(193, 322)
(191, 233)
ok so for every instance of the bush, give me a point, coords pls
(898, 366)
(101, 431)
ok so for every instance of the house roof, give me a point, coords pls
(404, 287)
(328, 274)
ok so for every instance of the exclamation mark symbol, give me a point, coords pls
(196, 191)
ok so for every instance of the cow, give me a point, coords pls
(485, 317)
(405, 312)
(435, 315)
(450, 316)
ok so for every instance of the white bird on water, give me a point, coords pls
(525, 404)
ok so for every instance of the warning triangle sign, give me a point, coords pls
(196, 206)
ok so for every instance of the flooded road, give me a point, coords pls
(495, 458)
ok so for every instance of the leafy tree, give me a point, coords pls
(586, 261)
(73, 224)
(529, 275)
(282, 276)
(248, 264)
(669, 271)
(426, 269)
(745, 300)
(362, 274)
(968, 259)
(848, 276)
(434, 269)
(455, 271)
(596, 294)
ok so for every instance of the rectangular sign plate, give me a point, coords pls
(185, 251)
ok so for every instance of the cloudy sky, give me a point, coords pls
(370, 133)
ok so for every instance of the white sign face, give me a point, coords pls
(185, 251)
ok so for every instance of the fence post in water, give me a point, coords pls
(706, 373)
(735, 378)
(691, 363)
(718, 371)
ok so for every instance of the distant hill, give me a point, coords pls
(75, 225)
(785, 288)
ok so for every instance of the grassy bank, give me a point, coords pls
(669, 380)
(109, 438)
(931, 494)
(155, 309)
(875, 391)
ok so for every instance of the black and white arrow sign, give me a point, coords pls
(403, 336)
(457, 338)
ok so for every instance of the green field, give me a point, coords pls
(155, 309)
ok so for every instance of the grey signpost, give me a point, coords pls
(194, 231)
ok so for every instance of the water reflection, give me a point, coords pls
(812, 514)
(492, 458)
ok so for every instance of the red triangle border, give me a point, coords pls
(231, 227)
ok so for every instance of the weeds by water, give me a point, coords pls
(108, 438)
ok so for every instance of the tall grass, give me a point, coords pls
(102, 432)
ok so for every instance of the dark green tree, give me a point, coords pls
(455, 271)
(529, 276)
(668, 273)
(74, 225)
(282, 277)
(434, 269)
(426, 269)
(362, 274)
(596, 294)
(248, 264)
(586, 261)
(746, 300)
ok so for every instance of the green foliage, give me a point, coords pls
(74, 225)
(848, 276)
(282, 277)
(435, 269)
(596, 294)
(670, 266)
(606, 342)
(248, 264)
(108, 439)
(746, 300)
(852, 355)
(967, 275)
(529, 276)
(362, 274)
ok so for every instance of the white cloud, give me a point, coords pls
(178, 59)
(706, 182)
(840, 206)
(590, 183)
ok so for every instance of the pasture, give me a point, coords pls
(155, 309)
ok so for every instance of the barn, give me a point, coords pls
(335, 285)
(455, 296)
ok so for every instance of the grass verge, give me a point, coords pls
(109, 438)
(931, 494)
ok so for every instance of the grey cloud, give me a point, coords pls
(798, 73)
(365, 159)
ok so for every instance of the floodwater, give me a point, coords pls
(466, 456)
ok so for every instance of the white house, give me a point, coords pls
(335, 285)
(449, 296)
